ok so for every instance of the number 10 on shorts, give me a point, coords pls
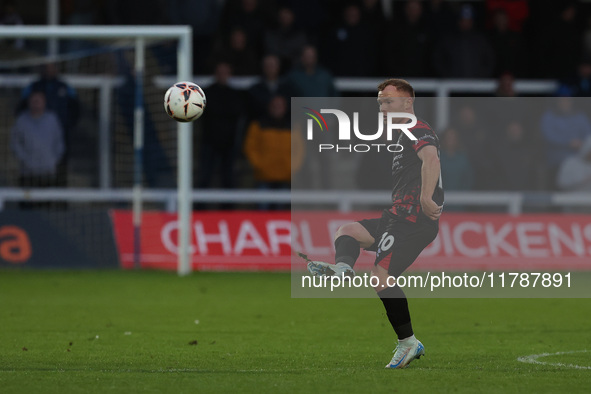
(386, 242)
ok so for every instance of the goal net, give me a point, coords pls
(85, 129)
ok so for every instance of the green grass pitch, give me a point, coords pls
(153, 332)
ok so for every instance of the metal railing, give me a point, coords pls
(342, 200)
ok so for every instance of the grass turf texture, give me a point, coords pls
(115, 331)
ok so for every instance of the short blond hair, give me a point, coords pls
(399, 84)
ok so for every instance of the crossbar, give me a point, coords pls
(43, 32)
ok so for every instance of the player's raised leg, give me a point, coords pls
(349, 239)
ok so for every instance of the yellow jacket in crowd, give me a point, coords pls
(268, 148)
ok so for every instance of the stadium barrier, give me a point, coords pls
(61, 239)
(513, 203)
(246, 240)
(255, 240)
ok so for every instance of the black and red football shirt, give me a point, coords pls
(406, 172)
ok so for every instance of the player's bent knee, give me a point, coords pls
(356, 231)
(346, 229)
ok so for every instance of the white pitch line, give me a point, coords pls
(533, 359)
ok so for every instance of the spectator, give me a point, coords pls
(309, 79)
(9, 16)
(507, 46)
(238, 53)
(506, 85)
(269, 85)
(474, 137)
(37, 140)
(271, 150)
(203, 17)
(351, 37)
(466, 53)
(564, 130)
(564, 42)
(456, 170)
(311, 22)
(411, 44)
(286, 41)
(439, 18)
(575, 171)
(539, 33)
(516, 11)
(579, 85)
(221, 135)
(372, 15)
(513, 160)
(60, 98)
(251, 16)
(81, 12)
(135, 12)
(505, 107)
(587, 39)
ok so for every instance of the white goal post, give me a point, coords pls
(184, 71)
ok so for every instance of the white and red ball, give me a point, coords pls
(184, 101)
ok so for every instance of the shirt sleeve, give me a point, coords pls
(424, 138)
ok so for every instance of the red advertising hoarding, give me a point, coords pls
(245, 240)
(239, 240)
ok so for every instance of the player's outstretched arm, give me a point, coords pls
(430, 170)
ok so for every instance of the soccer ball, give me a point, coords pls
(184, 101)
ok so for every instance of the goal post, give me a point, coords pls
(183, 73)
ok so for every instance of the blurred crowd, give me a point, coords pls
(297, 47)
(515, 144)
(411, 38)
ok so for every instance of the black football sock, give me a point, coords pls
(397, 311)
(347, 250)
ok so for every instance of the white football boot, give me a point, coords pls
(320, 268)
(405, 353)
